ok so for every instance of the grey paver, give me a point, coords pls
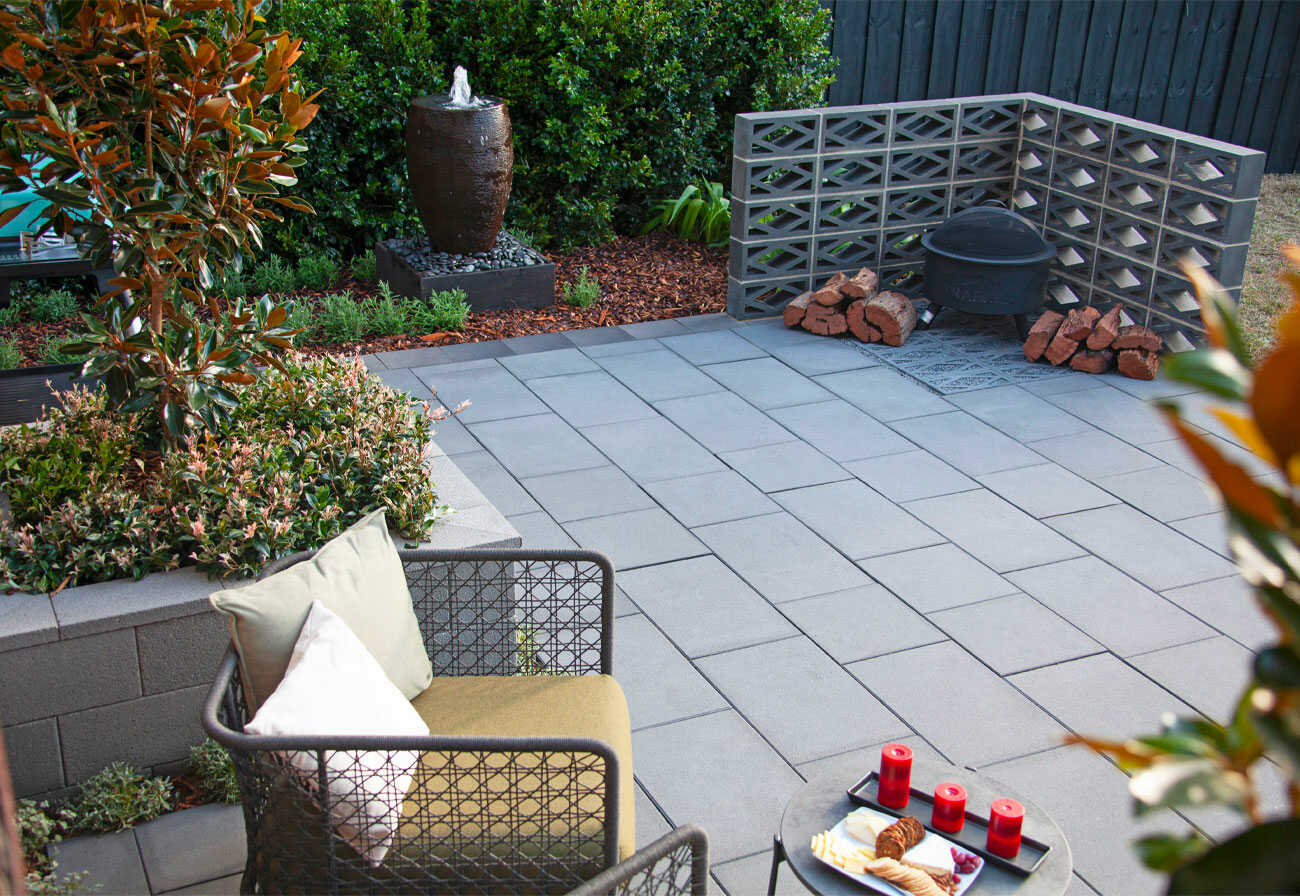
(840, 431)
(579, 494)
(1100, 696)
(1015, 633)
(783, 466)
(540, 532)
(1210, 675)
(767, 383)
(593, 336)
(723, 422)
(599, 350)
(1002, 536)
(650, 822)
(711, 498)
(1166, 493)
(653, 329)
(749, 876)
(1151, 552)
(804, 703)
(493, 393)
(716, 788)
(970, 445)
(698, 323)
(473, 351)
(550, 363)
(200, 844)
(829, 357)
(373, 363)
(884, 393)
(658, 375)
(537, 445)
(535, 343)
(111, 862)
(1112, 608)
(636, 538)
(652, 449)
(496, 483)
(452, 436)
(1093, 454)
(1147, 390)
(1018, 413)
(761, 549)
(713, 348)
(856, 519)
(411, 357)
(1066, 381)
(1209, 530)
(703, 606)
(910, 475)
(590, 399)
(1046, 490)
(1229, 605)
(404, 380)
(222, 886)
(937, 578)
(949, 698)
(1176, 453)
(660, 684)
(1115, 412)
(1088, 797)
(852, 765)
(860, 623)
(772, 333)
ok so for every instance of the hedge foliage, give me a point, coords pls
(615, 103)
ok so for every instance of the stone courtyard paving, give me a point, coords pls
(822, 547)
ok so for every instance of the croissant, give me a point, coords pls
(899, 837)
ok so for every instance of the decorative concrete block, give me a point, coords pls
(145, 732)
(111, 862)
(182, 652)
(78, 673)
(35, 761)
(195, 845)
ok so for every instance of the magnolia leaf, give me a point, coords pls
(1167, 853)
(1275, 401)
(1278, 667)
(1186, 782)
(1260, 860)
(1236, 485)
(1244, 428)
(1218, 312)
(1213, 370)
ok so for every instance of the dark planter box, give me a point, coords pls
(531, 286)
(24, 393)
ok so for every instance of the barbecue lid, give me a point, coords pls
(989, 233)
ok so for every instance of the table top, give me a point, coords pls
(822, 802)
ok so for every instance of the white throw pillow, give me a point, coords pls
(335, 687)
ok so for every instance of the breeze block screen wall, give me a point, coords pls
(821, 190)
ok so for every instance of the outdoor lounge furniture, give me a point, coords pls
(524, 784)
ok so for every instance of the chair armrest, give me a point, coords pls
(677, 864)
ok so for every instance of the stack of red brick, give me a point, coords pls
(1093, 342)
(847, 304)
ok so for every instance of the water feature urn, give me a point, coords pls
(460, 155)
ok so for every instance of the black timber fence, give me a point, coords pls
(1227, 69)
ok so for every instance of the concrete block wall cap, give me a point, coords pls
(26, 620)
(192, 846)
(105, 606)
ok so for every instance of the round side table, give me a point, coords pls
(822, 802)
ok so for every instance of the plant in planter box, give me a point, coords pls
(161, 132)
(1193, 762)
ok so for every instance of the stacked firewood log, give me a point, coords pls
(1087, 340)
(853, 305)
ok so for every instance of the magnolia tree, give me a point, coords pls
(162, 133)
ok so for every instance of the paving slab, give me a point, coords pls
(1114, 609)
(1094, 453)
(766, 383)
(723, 422)
(1209, 530)
(540, 532)
(948, 697)
(1118, 413)
(1147, 390)
(1150, 551)
(716, 788)
(579, 494)
(860, 623)
(599, 350)
(496, 483)
(224, 886)
(1046, 490)
(852, 765)
(473, 351)
(659, 375)
(1210, 675)
(1020, 414)
(856, 519)
(884, 393)
(1176, 453)
(994, 531)
(1015, 633)
(1229, 605)
(711, 498)
(550, 363)
(1166, 493)
(704, 607)
(636, 538)
(537, 445)
(653, 449)
(1064, 381)
(493, 393)
(190, 847)
(760, 549)
(773, 333)
(829, 357)
(653, 329)
(650, 822)
(590, 399)
(659, 682)
(841, 431)
(712, 348)
(403, 380)
(966, 443)
(535, 343)
(111, 862)
(698, 323)
(453, 437)
(784, 466)
(593, 336)
(910, 475)
(411, 357)
(936, 578)
(805, 704)
(749, 876)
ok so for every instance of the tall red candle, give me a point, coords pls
(1005, 820)
(949, 807)
(895, 775)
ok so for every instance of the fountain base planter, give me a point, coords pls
(508, 276)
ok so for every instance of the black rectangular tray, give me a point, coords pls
(973, 836)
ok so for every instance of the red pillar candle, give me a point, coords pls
(1005, 820)
(949, 807)
(895, 775)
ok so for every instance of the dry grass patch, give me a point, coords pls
(1277, 221)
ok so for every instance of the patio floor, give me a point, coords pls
(818, 553)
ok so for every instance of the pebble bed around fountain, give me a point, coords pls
(507, 253)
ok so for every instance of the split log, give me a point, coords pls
(856, 314)
(1092, 362)
(1079, 323)
(1136, 336)
(1139, 364)
(817, 318)
(1041, 333)
(861, 285)
(1060, 349)
(893, 314)
(830, 293)
(1106, 329)
(796, 309)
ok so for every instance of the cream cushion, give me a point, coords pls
(358, 576)
(334, 687)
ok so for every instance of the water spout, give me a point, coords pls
(461, 97)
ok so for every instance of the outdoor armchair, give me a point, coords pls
(524, 784)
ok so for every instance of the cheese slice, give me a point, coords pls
(865, 826)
